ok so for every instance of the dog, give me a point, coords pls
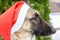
(33, 25)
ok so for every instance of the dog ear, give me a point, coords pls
(21, 0)
(26, 1)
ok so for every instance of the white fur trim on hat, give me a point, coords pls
(20, 19)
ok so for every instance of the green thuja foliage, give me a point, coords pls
(1, 38)
(5, 4)
(41, 5)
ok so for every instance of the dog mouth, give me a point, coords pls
(40, 34)
(37, 33)
(44, 33)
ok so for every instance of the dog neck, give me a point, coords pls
(23, 36)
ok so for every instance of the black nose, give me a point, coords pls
(53, 30)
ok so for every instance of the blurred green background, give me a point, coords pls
(41, 5)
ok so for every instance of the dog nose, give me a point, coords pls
(53, 30)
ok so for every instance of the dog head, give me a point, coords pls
(35, 24)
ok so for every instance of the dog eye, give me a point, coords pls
(35, 16)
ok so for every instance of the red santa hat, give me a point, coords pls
(12, 20)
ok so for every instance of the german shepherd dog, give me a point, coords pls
(33, 25)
